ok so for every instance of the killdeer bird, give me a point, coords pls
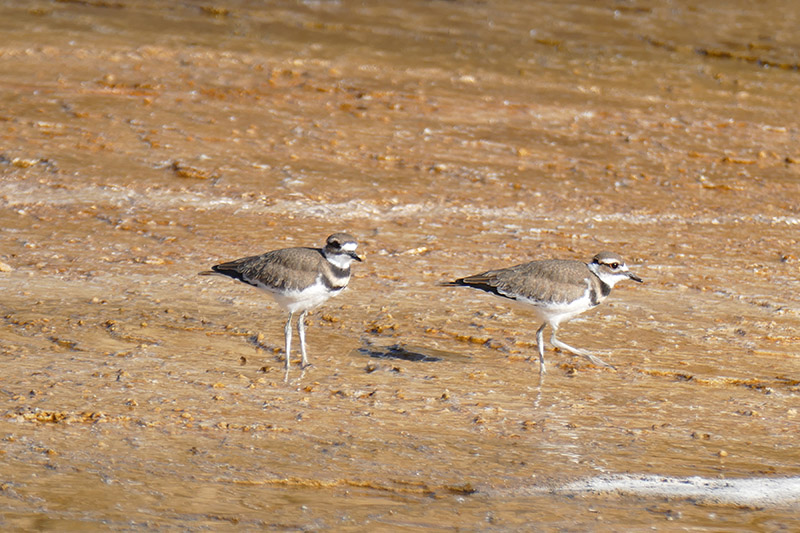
(556, 290)
(299, 279)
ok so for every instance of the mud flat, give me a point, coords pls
(143, 142)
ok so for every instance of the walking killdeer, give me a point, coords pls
(556, 289)
(299, 279)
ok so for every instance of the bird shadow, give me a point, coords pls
(405, 352)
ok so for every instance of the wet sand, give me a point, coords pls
(143, 142)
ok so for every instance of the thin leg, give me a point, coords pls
(540, 345)
(577, 351)
(301, 332)
(287, 335)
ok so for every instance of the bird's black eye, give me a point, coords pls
(614, 265)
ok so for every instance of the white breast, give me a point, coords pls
(303, 299)
(557, 312)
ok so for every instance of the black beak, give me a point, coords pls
(634, 277)
(355, 256)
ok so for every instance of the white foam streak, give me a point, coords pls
(16, 194)
(761, 491)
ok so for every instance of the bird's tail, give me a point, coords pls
(455, 283)
(215, 272)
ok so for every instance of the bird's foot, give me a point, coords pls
(597, 361)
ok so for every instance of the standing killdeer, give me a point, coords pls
(556, 289)
(298, 278)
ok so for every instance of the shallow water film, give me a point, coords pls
(145, 141)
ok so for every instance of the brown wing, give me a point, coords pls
(547, 281)
(289, 268)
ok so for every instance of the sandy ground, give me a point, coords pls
(143, 142)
